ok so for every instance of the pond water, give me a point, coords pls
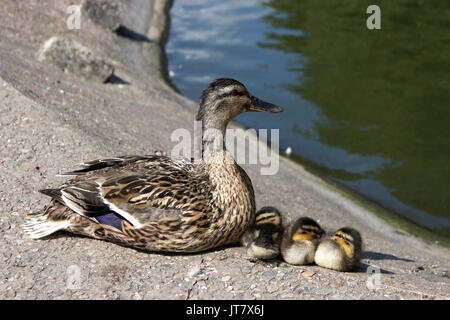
(369, 109)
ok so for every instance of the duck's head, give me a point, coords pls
(306, 229)
(349, 240)
(224, 99)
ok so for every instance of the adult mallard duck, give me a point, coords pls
(158, 204)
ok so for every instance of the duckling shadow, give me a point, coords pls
(367, 268)
(132, 35)
(382, 256)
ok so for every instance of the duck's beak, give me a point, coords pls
(261, 106)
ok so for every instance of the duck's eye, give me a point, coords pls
(247, 105)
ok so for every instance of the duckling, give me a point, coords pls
(264, 237)
(300, 241)
(342, 253)
(155, 203)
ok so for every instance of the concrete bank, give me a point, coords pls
(51, 120)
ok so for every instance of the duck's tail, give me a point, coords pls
(50, 220)
(39, 226)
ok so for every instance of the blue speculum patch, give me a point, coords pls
(111, 219)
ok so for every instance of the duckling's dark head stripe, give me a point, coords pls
(273, 210)
(313, 229)
(308, 224)
(268, 215)
(343, 236)
(350, 235)
(268, 218)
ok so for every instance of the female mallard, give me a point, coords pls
(155, 203)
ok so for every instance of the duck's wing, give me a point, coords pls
(137, 189)
(115, 162)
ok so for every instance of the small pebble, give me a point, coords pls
(271, 288)
(420, 268)
(226, 278)
(193, 272)
(337, 284)
(308, 274)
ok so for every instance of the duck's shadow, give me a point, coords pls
(371, 255)
(218, 249)
(64, 234)
(383, 256)
(364, 268)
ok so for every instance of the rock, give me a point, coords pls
(193, 272)
(308, 274)
(419, 268)
(106, 13)
(70, 55)
(272, 287)
(338, 283)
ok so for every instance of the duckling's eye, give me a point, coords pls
(346, 240)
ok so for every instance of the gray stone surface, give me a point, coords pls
(69, 55)
(106, 13)
(50, 121)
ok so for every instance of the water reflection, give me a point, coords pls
(384, 94)
(366, 108)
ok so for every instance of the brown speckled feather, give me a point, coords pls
(166, 205)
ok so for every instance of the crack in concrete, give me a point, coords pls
(189, 291)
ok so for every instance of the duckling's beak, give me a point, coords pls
(261, 106)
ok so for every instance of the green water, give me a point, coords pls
(369, 109)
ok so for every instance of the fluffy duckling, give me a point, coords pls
(342, 253)
(300, 241)
(263, 239)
